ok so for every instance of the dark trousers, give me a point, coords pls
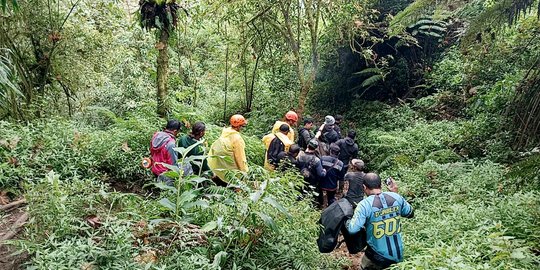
(330, 196)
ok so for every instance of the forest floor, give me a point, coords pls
(9, 259)
(342, 252)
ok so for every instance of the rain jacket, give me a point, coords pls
(267, 140)
(348, 150)
(162, 151)
(333, 168)
(278, 124)
(229, 144)
(304, 136)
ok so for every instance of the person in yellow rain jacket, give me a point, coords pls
(276, 143)
(228, 151)
(290, 119)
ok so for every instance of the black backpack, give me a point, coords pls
(333, 220)
(307, 171)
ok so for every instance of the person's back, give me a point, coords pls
(304, 134)
(348, 147)
(310, 165)
(161, 151)
(329, 135)
(229, 144)
(197, 132)
(162, 147)
(333, 167)
(355, 192)
(290, 120)
(380, 213)
(287, 160)
(383, 214)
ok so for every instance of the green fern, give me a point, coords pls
(496, 17)
(371, 81)
(369, 71)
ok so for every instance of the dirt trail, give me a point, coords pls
(8, 261)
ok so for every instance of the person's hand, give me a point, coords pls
(393, 186)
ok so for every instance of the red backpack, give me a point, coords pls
(160, 154)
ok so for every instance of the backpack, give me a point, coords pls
(307, 171)
(301, 142)
(160, 154)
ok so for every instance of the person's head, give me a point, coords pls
(308, 123)
(334, 150)
(351, 134)
(238, 121)
(173, 126)
(291, 118)
(329, 120)
(198, 130)
(284, 128)
(338, 118)
(294, 150)
(372, 181)
(313, 144)
(357, 165)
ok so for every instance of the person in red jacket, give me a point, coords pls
(162, 151)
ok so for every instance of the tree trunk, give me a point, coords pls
(162, 73)
(226, 82)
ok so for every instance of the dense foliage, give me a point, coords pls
(444, 96)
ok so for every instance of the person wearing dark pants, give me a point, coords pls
(333, 167)
(380, 213)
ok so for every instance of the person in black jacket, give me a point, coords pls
(333, 167)
(277, 146)
(355, 180)
(304, 134)
(287, 160)
(348, 151)
(310, 165)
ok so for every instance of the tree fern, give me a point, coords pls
(369, 71)
(411, 14)
(496, 16)
(371, 81)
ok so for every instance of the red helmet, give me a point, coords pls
(238, 120)
(290, 115)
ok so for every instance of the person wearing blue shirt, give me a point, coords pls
(381, 214)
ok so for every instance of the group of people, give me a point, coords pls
(326, 159)
(322, 157)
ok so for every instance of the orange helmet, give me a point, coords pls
(290, 115)
(238, 120)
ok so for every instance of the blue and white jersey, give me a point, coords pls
(381, 215)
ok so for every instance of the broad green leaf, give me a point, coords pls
(212, 225)
(173, 168)
(277, 205)
(268, 221)
(183, 151)
(172, 174)
(164, 186)
(167, 204)
(219, 259)
(197, 203)
(187, 196)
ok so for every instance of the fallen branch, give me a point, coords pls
(17, 226)
(12, 205)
